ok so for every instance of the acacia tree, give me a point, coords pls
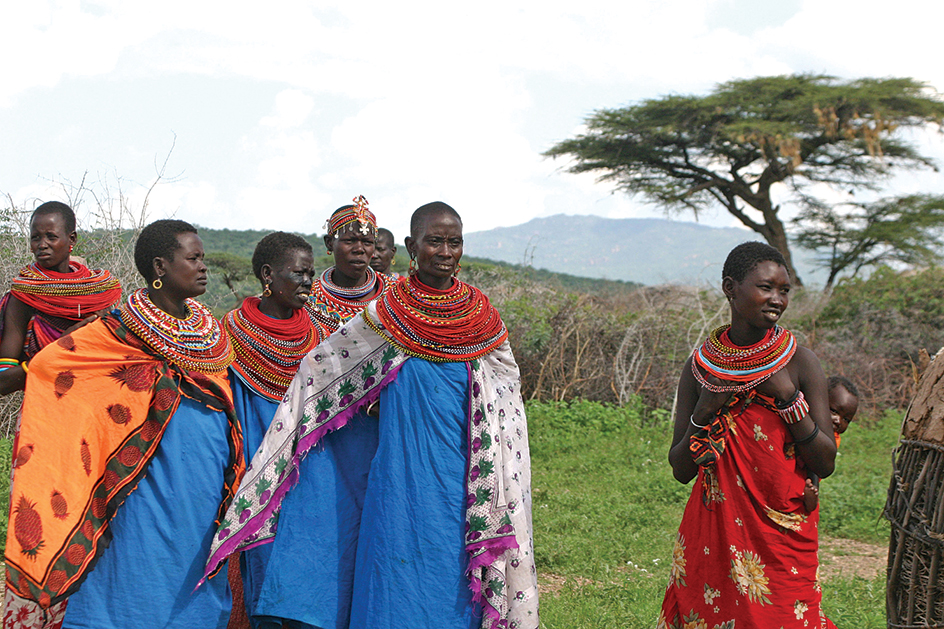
(731, 147)
(903, 229)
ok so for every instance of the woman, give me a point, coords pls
(270, 335)
(346, 288)
(49, 297)
(134, 456)
(752, 419)
(423, 516)
(385, 251)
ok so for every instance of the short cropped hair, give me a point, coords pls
(56, 207)
(422, 214)
(385, 234)
(748, 255)
(845, 383)
(274, 248)
(158, 240)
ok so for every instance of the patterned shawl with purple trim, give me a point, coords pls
(343, 375)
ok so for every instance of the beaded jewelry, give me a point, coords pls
(348, 217)
(196, 342)
(66, 295)
(329, 311)
(453, 325)
(353, 293)
(268, 350)
(8, 363)
(748, 366)
(794, 410)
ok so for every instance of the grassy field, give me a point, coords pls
(606, 510)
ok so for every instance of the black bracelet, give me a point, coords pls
(788, 403)
(805, 440)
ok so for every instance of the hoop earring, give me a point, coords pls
(412, 268)
(267, 292)
(393, 260)
(157, 284)
(458, 268)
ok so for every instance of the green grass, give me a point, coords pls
(606, 510)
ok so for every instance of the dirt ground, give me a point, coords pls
(837, 557)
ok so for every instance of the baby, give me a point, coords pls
(843, 405)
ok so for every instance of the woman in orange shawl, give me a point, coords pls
(129, 455)
(51, 296)
(752, 418)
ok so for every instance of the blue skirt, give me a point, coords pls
(161, 537)
(373, 534)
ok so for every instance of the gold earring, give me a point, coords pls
(157, 284)
(267, 292)
(393, 260)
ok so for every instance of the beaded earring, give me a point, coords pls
(412, 268)
(157, 284)
(458, 268)
(267, 292)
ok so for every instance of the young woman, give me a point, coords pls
(752, 419)
(51, 296)
(423, 516)
(134, 454)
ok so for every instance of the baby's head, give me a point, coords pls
(843, 402)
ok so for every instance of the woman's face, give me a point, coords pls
(49, 242)
(384, 251)
(290, 279)
(352, 252)
(761, 298)
(185, 274)
(438, 249)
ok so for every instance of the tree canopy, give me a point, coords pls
(732, 146)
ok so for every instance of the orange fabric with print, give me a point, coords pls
(95, 407)
(746, 550)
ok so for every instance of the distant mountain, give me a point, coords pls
(644, 250)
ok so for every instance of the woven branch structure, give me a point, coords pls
(915, 509)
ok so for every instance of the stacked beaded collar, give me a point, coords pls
(453, 325)
(349, 294)
(329, 312)
(74, 295)
(746, 367)
(268, 350)
(196, 343)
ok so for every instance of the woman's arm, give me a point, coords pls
(806, 374)
(695, 404)
(15, 321)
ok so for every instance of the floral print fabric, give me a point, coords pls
(746, 551)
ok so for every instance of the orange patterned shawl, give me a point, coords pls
(96, 405)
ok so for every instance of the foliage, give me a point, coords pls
(231, 269)
(732, 146)
(904, 229)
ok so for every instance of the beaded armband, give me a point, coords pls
(796, 410)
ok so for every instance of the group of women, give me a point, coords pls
(381, 421)
(360, 441)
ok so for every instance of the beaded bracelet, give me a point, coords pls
(797, 409)
(805, 440)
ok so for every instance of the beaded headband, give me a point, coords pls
(347, 217)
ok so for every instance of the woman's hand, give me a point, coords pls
(709, 403)
(81, 324)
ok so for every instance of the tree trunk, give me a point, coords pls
(777, 238)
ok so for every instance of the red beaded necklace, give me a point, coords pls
(747, 366)
(456, 324)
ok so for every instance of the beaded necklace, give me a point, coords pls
(329, 312)
(349, 294)
(452, 325)
(747, 366)
(196, 342)
(73, 295)
(268, 350)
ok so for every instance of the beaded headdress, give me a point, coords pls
(347, 218)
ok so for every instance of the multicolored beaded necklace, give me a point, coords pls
(452, 325)
(268, 350)
(74, 295)
(196, 343)
(329, 312)
(353, 293)
(747, 366)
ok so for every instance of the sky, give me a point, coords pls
(253, 115)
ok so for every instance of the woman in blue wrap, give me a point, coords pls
(270, 335)
(394, 481)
